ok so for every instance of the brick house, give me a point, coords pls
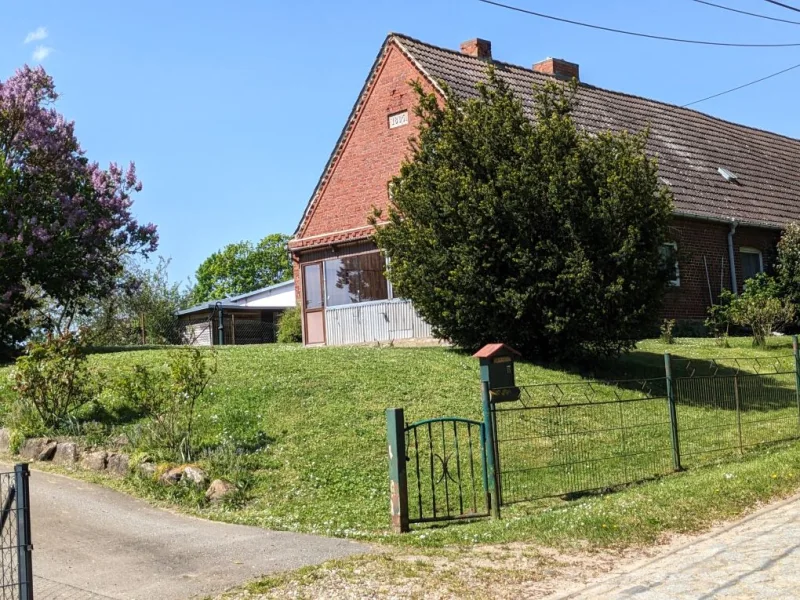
(735, 187)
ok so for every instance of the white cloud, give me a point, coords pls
(41, 53)
(36, 36)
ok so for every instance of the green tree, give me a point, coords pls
(243, 267)
(527, 231)
(141, 310)
(787, 267)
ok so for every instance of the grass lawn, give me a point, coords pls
(324, 467)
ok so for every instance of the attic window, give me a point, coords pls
(727, 175)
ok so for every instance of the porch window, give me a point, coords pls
(353, 279)
(312, 286)
(752, 262)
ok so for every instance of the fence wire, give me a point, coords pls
(568, 438)
(16, 580)
(735, 405)
(564, 438)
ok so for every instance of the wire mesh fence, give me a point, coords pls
(567, 438)
(726, 407)
(564, 438)
(237, 330)
(16, 577)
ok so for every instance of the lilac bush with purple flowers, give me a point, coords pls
(65, 222)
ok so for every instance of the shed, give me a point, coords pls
(249, 318)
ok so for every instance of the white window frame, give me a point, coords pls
(676, 282)
(750, 250)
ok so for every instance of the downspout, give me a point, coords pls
(732, 257)
(221, 327)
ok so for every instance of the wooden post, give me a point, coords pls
(233, 329)
(398, 482)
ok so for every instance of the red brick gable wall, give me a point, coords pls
(370, 156)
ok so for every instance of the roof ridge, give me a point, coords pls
(602, 89)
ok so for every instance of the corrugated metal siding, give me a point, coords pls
(374, 322)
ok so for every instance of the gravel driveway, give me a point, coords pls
(94, 543)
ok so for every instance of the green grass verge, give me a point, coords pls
(324, 469)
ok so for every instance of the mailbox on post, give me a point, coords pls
(497, 371)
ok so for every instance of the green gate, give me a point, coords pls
(437, 468)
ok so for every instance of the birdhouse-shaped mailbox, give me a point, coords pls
(497, 369)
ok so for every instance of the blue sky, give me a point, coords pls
(230, 110)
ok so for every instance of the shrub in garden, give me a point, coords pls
(168, 397)
(667, 327)
(529, 231)
(289, 326)
(52, 381)
(759, 307)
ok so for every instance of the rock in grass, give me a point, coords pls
(66, 454)
(147, 470)
(171, 476)
(118, 464)
(187, 473)
(196, 475)
(5, 440)
(47, 451)
(96, 461)
(32, 447)
(218, 489)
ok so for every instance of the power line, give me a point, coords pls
(744, 12)
(739, 87)
(776, 3)
(634, 33)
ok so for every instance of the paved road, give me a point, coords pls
(91, 543)
(758, 557)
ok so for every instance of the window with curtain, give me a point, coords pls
(353, 279)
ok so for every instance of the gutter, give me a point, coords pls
(732, 256)
(727, 221)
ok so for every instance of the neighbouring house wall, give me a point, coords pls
(273, 299)
(697, 240)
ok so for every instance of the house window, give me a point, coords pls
(669, 255)
(752, 262)
(353, 279)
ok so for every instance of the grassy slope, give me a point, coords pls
(325, 469)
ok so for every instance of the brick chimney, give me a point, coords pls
(478, 48)
(558, 68)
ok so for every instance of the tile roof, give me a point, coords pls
(690, 146)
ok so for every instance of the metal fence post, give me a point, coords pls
(673, 416)
(491, 451)
(24, 545)
(398, 484)
(796, 353)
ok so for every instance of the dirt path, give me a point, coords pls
(753, 558)
(91, 542)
